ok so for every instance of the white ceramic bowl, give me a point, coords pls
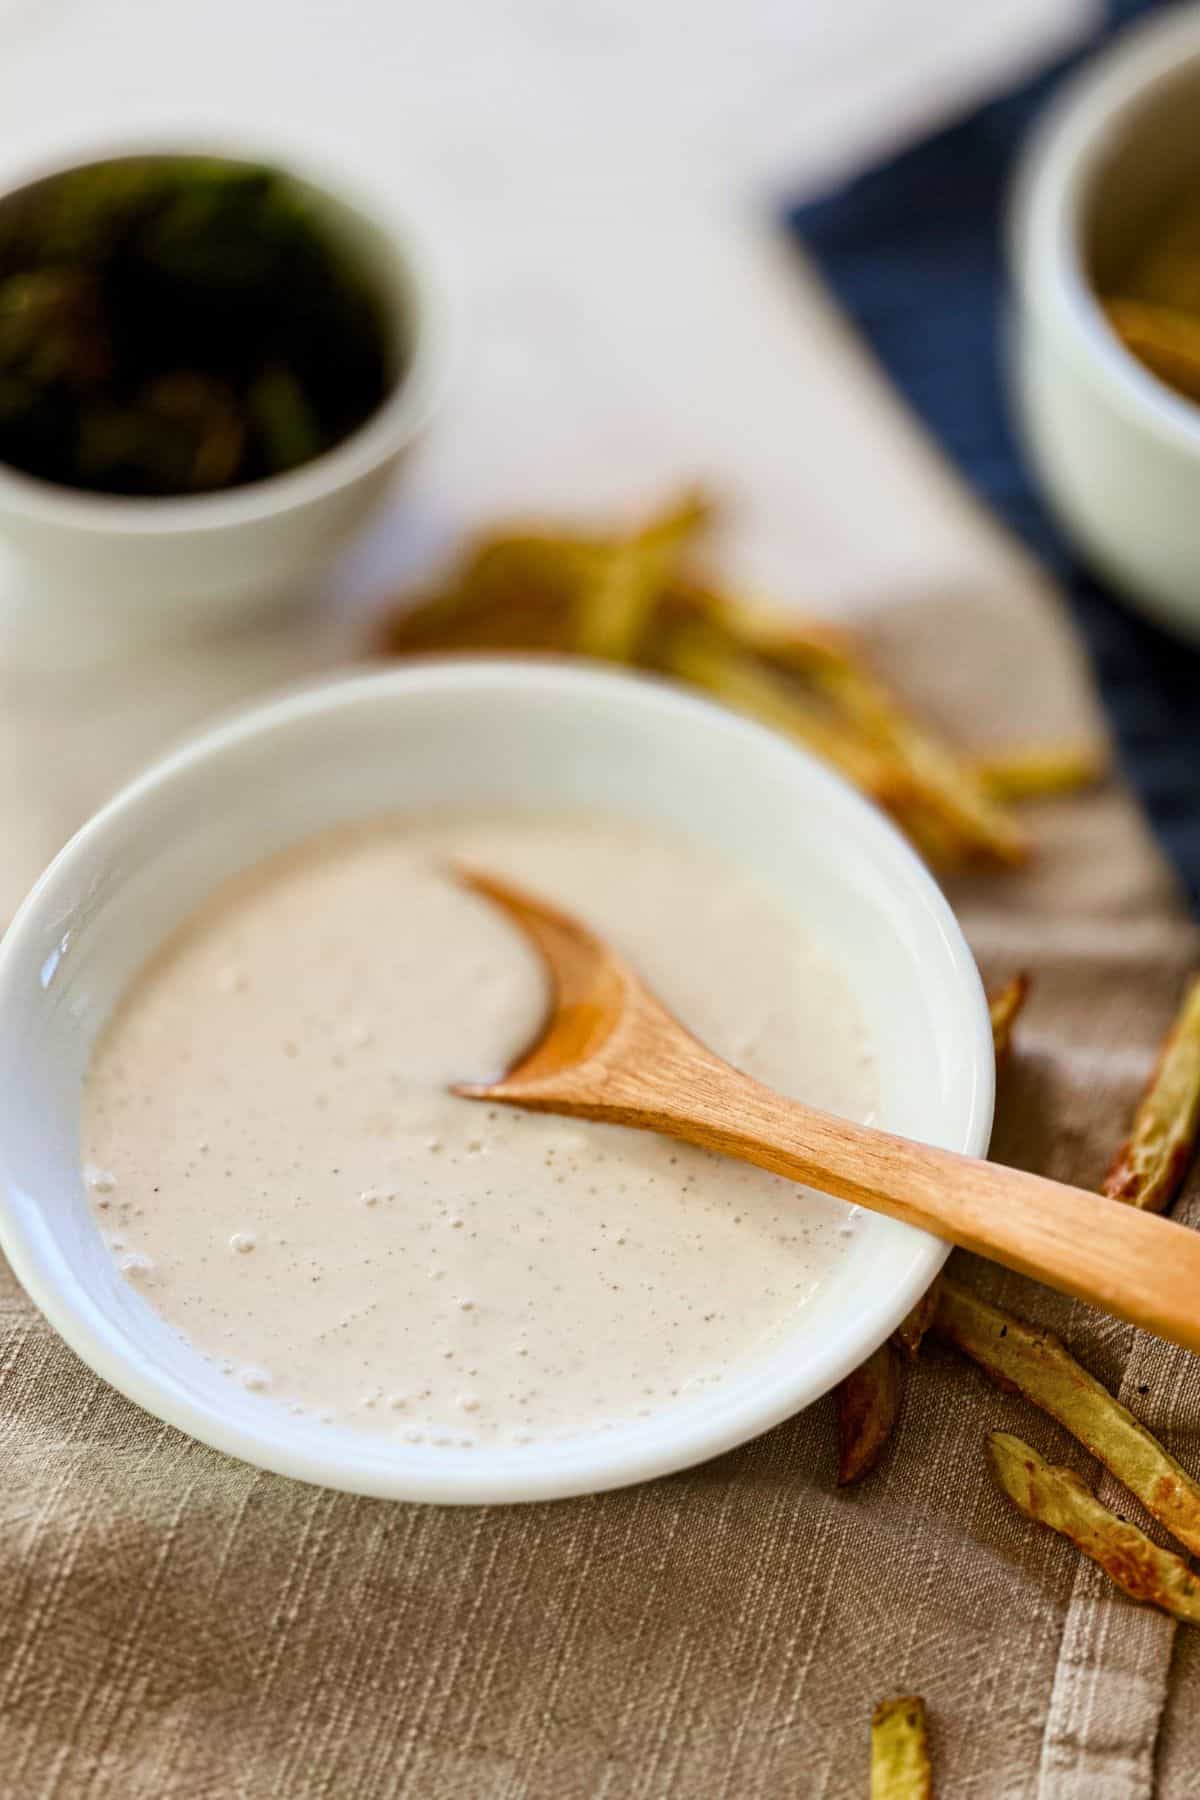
(473, 733)
(93, 572)
(1117, 450)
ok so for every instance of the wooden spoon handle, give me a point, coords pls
(1136, 1265)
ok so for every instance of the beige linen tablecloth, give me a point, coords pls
(176, 1624)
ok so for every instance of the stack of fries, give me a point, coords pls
(1147, 1171)
(636, 598)
(1155, 308)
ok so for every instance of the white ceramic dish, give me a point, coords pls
(445, 734)
(1118, 452)
(92, 572)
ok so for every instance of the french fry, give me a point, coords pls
(1039, 771)
(879, 770)
(900, 1765)
(501, 566)
(1004, 1006)
(934, 768)
(1166, 270)
(1058, 1498)
(1165, 339)
(1037, 1365)
(614, 603)
(415, 629)
(799, 644)
(1151, 1164)
(531, 588)
(700, 654)
(868, 1401)
(510, 591)
(624, 598)
(909, 1334)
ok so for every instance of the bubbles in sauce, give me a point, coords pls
(301, 1197)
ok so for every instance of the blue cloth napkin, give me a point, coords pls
(913, 252)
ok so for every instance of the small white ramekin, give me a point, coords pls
(1117, 451)
(92, 573)
(475, 733)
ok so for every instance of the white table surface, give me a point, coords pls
(603, 179)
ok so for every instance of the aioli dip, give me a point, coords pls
(274, 1161)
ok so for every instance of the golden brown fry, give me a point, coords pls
(1165, 339)
(614, 602)
(500, 565)
(523, 587)
(1039, 771)
(624, 598)
(510, 591)
(1166, 269)
(934, 768)
(1149, 1168)
(830, 659)
(910, 1332)
(416, 629)
(900, 1765)
(1004, 1006)
(868, 1401)
(799, 644)
(700, 654)
(1037, 1365)
(1058, 1498)
(931, 791)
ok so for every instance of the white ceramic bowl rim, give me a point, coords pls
(1049, 192)
(646, 1448)
(400, 417)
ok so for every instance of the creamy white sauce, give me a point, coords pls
(276, 1165)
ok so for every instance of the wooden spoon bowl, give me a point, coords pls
(610, 1050)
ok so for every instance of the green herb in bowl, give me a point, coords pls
(174, 325)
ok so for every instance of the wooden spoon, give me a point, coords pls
(610, 1050)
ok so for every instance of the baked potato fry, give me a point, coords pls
(700, 653)
(796, 643)
(625, 598)
(1004, 1006)
(868, 1401)
(1166, 270)
(1149, 1168)
(534, 588)
(945, 780)
(1058, 1498)
(933, 768)
(509, 592)
(900, 1765)
(909, 1334)
(618, 593)
(1039, 771)
(1036, 1364)
(1165, 340)
(829, 659)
